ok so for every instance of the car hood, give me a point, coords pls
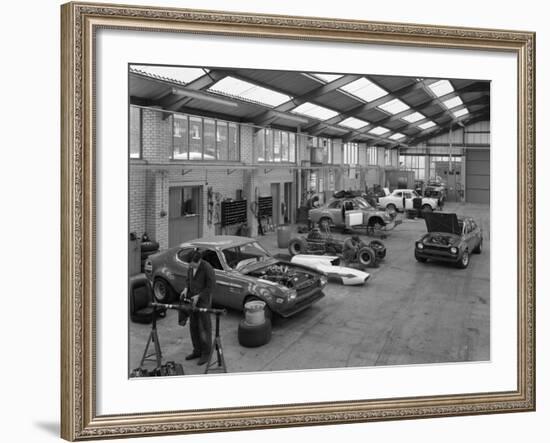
(442, 222)
(255, 266)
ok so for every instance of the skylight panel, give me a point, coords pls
(427, 125)
(414, 117)
(442, 87)
(460, 112)
(311, 110)
(364, 89)
(249, 91)
(397, 136)
(183, 75)
(379, 130)
(453, 102)
(353, 123)
(327, 78)
(394, 107)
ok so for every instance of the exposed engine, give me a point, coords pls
(441, 240)
(287, 275)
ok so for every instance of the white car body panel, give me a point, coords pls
(323, 263)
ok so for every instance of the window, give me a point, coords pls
(135, 132)
(221, 140)
(195, 141)
(180, 137)
(234, 153)
(416, 163)
(387, 157)
(209, 139)
(197, 138)
(185, 254)
(372, 155)
(351, 154)
(273, 145)
(335, 204)
(212, 258)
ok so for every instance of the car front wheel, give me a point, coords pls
(427, 208)
(464, 260)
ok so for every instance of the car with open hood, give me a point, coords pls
(244, 271)
(449, 239)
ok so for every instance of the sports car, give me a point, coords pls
(244, 270)
(449, 239)
(329, 265)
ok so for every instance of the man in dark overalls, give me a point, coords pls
(201, 281)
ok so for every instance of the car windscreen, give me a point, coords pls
(238, 256)
(362, 203)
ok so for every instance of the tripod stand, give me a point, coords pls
(217, 366)
(153, 338)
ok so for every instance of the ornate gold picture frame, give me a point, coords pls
(80, 22)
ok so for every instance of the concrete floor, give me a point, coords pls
(408, 313)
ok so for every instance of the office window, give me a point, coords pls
(273, 145)
(234, 153)
(284, 146)
(221, 140)
(135, 132)
(292, 147)
(195, 138)
(259, 143)
(209, 139)
(180, 137)
(276, 145)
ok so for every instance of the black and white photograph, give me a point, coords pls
(286, 220)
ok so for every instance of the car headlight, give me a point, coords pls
(454, 250)
(419, 245)
(323, 280)
(292, 294)
(265, 292)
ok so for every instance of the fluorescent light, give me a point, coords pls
(315, 111)
(414, 117)
(249, 91)
(181, 75)
(327, 78)
(353, 123)
(453, 102)
(460, 112)
(394, 107)
(427, 125)
(442, 87)
(364, 89)
(379, 130)
(397, 136)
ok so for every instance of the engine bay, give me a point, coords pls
(441, 240)
(290, 276)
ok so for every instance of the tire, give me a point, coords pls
(378, 247)
(375, 222)
(252, 336)
(366, 256)
(391, 208)
(478, 248)
(149, 246)
(427, 208)
(464, 260)
(267, 310)
(324, 224)
(162, 291)
(297, 246)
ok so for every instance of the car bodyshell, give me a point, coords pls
(446, 231)
(408, 195)
(233, 287)
(332, 210)
(329, 265)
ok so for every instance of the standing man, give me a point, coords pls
(201, 281)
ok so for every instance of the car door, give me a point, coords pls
(468, 238)
(408, 199)
(219, 296)
(335, 211)
(232, 287)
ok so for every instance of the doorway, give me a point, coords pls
(288, 204)
(276, 195)
(184, 219)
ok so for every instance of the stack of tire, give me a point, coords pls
(148, 247)
(255, 328)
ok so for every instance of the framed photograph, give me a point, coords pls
(275, 221)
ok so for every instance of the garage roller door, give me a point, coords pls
(478, 179)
